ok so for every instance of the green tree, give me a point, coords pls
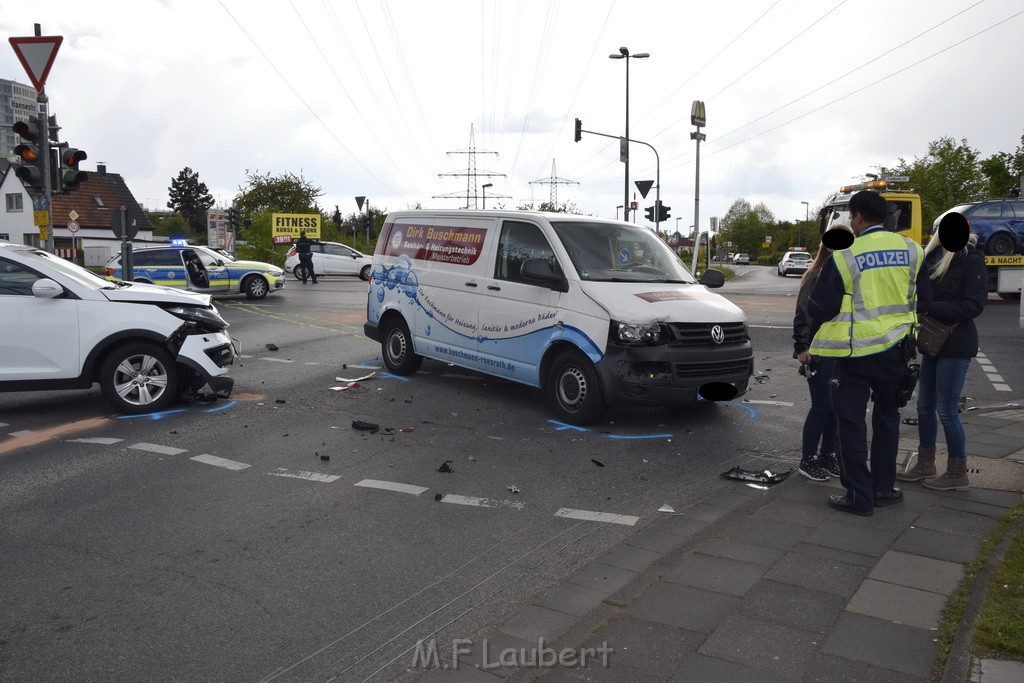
(266, 194)
(746, 226)
(174, 225)
(949, 174)
(1004, 171)
(190, 198)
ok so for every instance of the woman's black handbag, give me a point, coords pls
(931, 334)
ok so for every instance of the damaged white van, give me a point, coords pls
(596, 312)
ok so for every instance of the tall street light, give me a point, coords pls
(624, 144)
(807, 219)
(617, 211)
(485, 186)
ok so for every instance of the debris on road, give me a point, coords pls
(324, 457)
(668, 509)
(446, 467)
(910, 420)
(762, 477)
(513, 488)
(597, 462)
(280, 400)
(365, 426)
(355, 379)
(271, 347)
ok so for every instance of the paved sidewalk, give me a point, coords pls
(774, 585)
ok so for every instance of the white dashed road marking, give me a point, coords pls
(998, 383)
(220, 462)
(481, 502)
(308, 476)
(784, 404)
(157, 448)
(278, 360)
(102, 440)
(391, 486)
(588, 516)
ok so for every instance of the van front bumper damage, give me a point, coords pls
(209, 354)
(668, 374)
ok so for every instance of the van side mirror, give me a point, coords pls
(712, 278)
(541, 270)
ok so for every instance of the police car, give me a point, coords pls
(199, 269)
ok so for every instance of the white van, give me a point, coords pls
(597, 312)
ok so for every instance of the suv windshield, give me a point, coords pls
(70, 270)
(612, 252)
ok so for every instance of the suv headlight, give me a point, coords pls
(204, 319)
(638, 333)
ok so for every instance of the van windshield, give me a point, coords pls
(613, 252)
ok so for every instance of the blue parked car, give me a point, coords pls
(999, 224)
(199, 269)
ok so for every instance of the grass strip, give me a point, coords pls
(999, 632)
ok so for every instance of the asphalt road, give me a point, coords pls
(214, 541)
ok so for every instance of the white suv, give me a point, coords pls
(794, 262)
(65, 328)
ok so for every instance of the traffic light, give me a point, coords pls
(32, 171)
(579, 130)
(70, 175)
(649, 212)
(233, 218)
(662, 212)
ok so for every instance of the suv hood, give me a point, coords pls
(662, 302)
(140, 292)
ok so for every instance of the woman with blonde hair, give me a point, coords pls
(960, 290)
(820, 423)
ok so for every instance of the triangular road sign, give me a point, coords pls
(36, 54)
(644, 186)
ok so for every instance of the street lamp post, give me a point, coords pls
(807, 219)
(485, 186)
(624, 144)
(617, 211)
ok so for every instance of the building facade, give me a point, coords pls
(17, 103)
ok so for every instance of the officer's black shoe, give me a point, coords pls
(890, 498)
(842, 503)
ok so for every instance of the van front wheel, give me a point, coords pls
(396, 347)
(574, 390)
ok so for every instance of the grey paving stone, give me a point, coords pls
(794, 512)
(852, 537)
(644, 646)
(681, 525)
(570, 598)
(818, 573)
(630, 557)
(683, 607)
(463, 672)
(812, 493)
(984, 450)
(1015, 429)
(779, 650)
(767, 533)
(484, 660)
(881, 643)
(744, 552)
(660, 542)
(533, 622)
(977, 508)
(997, 438)
(595, 674)
(937, 544)
(796, 606)
(831, 669)
(718, 574)
(900, 604)
(925, 573)
(893, 518)
(1006, 499)
(956, 522)
(703, 669)
(834, 554)
(603, 577)
(978, 421)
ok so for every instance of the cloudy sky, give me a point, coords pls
(378, 97)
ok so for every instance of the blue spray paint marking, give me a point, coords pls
(388, 375)
(222, 407)
(751, 413)
(152, 416)
(561, 427)
(639, 436)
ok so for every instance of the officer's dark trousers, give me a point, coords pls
(857, 380)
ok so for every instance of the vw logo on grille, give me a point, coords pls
(717, 334)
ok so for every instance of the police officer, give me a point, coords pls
(304, 247)
(868, 295)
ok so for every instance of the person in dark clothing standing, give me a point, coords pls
(820, 423)
(304, 247)
(960, 285)
(867, 295)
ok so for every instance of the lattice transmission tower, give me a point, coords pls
(471, 173)
(554, 181)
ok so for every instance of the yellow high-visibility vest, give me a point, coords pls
(880, 279)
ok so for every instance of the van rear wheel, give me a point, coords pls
(574, 389)
(396, 348)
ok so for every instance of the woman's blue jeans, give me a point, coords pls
(938, 392)
(820, 423)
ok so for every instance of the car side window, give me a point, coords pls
(336, 250)
(1017, 208)
(16, 280)
(988, 210)
(141, 259)
(519, 242)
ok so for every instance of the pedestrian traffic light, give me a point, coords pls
(70, 175)
(579, 130)
(663, 214)
(32, 171)
(649, 212)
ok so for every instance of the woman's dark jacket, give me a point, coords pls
(804, 326)
(959, 297)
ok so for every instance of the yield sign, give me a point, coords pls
(36, 55)
(644, 186)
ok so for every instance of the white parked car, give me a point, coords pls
(331, 258)
(741, 259)
(794, 262)
(64, 327)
